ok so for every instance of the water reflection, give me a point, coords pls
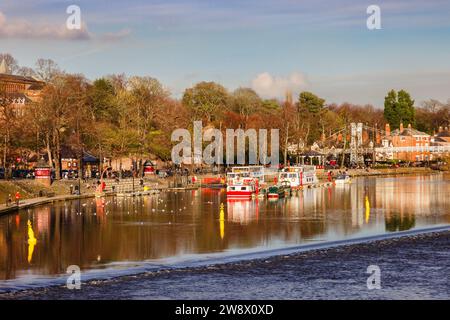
(96, 232)
(31, 241)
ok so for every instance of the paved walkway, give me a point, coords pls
(28, 203)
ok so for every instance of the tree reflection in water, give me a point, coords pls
(93, 233)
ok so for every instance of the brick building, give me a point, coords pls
(407, 137)
(19, 90)
(441, 138)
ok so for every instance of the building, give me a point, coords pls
(442, 138)
(408, 137)
(19, 90)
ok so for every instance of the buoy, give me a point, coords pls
(222, 221)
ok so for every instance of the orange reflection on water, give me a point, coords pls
(94, 232)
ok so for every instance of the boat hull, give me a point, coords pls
(233, 195)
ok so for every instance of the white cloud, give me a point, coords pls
(23, 29)
(270, 86)
(26, 30)
(114, 36)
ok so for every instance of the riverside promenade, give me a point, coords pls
(29, 203)
(32, 202)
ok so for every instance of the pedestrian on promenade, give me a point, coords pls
(8, 200)
(17, 197)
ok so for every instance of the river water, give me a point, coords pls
(122, 233)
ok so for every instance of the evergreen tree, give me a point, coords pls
(399, 108)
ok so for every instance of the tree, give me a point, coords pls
(399, 108)
(26, 72)
(270, 105)
(310, 102)
(147, 94)
(206, 100)
(431, 115)
(11, 62)
(245, 101)
(310, 109)
(46, 69)
(63, 114)
(7, 122)
(102, 100)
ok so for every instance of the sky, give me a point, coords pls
(269, 45)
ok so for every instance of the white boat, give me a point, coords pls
(256, 172)
(297, 177)
(343, 179)
(237, 177)
(243, 189)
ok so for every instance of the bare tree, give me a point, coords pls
(46, 69)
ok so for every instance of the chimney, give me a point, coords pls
(388, 130)
(401, 127)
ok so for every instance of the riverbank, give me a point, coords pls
(381, 172)
(412, 267)
(60, 190)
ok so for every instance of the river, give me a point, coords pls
(113, 235)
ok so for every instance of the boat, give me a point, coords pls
(256, 172)
(244, 189)
(276, 192)
(236, 177)
(343, 179)
(297, 177)
(213, 183)
(287, 189)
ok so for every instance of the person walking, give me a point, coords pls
(17, 198)
(8, 200)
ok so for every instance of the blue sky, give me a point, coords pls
(320, 46)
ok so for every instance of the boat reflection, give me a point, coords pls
(242, 211)
(93, 233)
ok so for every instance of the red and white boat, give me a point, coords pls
(297, 177)
(243, 189)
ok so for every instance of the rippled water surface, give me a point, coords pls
(95, 233)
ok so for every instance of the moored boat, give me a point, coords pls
(276, 192)
(213, 183)
(343, 179)
(297, 177)
(244, 189)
